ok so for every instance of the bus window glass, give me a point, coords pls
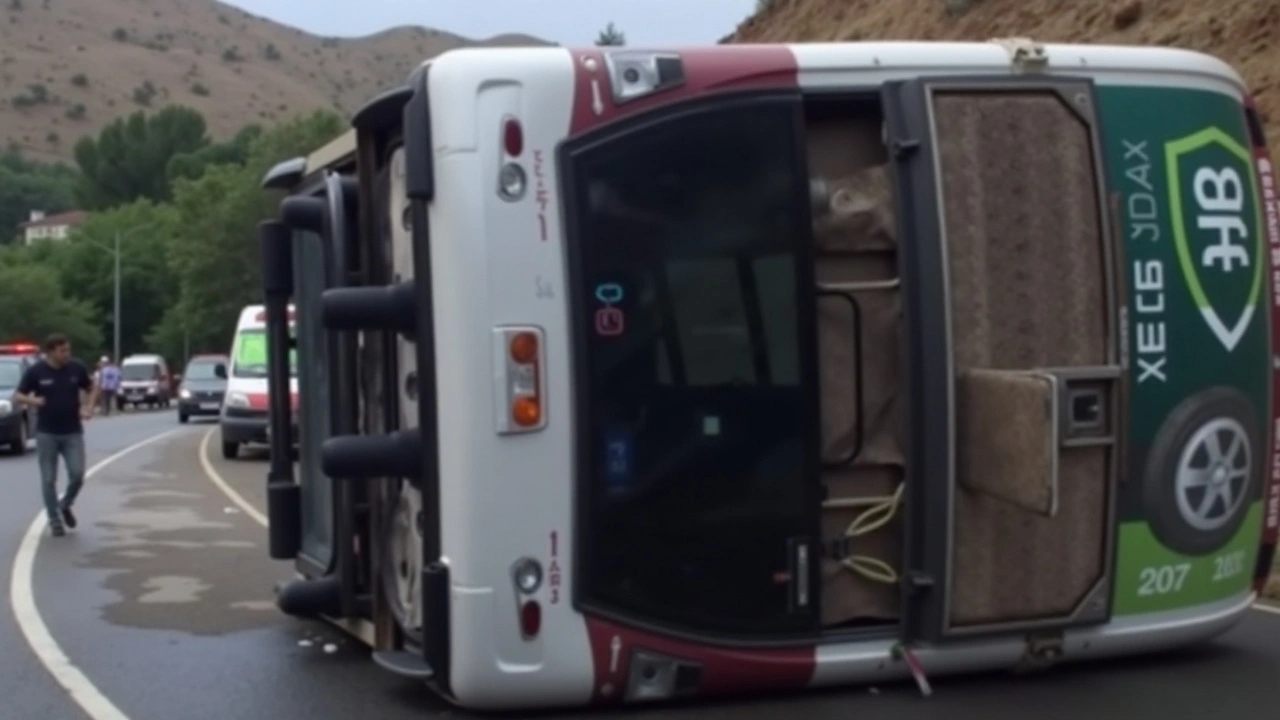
(697, 410)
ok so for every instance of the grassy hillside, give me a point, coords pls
(67, 68)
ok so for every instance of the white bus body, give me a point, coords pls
(570, 541)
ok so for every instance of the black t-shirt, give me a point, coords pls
(60, 388)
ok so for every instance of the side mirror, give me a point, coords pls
(220, 370)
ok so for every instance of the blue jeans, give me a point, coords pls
(48, 448)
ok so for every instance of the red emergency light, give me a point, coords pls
(261, 317)
(19, 349)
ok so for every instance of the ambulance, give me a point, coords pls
(243, 419)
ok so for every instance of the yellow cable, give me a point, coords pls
(880, 512)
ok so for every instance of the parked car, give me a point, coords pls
(203, 387)
(144, 380)
(17, 423)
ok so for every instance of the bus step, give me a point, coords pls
(404, 664)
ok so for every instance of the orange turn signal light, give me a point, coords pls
(524, 348)
(526, 411)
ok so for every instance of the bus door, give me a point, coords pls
(310, 266)
(697, 408)
(1012, 350)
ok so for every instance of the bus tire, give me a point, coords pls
(1210, 442)
(230, 450)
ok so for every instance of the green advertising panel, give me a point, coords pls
(1181, 168)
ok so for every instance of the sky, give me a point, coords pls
(568, 22)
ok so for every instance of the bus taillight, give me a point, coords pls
(520, 379)
(526, 575)
(512, 137)
(530, 619)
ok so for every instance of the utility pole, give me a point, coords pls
(114, 249)
(115, 352)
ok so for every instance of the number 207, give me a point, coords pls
(1162, 580)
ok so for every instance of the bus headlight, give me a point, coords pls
(527, 575)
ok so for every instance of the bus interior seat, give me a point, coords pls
(855, 266)
(1018, 464)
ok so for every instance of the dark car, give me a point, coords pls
(203, 387)
(17, 422)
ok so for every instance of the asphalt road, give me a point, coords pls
(162, 601)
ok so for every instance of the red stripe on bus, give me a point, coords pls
(1267, 182)
(706, 70)
(724, 671)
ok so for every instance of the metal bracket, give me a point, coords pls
(1025, 54)
(1043, 651)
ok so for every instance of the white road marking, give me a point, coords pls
(1267, 608)
(224, 486)
(22, 598)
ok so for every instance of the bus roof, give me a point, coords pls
(287, 174)
(331, 152)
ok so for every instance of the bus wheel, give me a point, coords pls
(1202, 469)
(230, 450)
(402, 566)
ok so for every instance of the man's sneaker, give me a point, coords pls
(57, 531)
(68, 517)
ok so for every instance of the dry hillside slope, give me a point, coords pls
(67, 67)
(1245, 33)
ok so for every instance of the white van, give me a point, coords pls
(144, 380)
(244, 412)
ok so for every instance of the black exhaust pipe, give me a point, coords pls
(310, 598)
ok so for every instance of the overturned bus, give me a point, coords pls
(632, 375)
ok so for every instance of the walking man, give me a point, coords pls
(60, 389)
(108, 383)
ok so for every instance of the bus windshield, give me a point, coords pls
(697, 407)
(251, 356)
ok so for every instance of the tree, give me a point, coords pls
(86, 267)
(236, 151)
(33, 306)
(611, 35)
(214, 254)
(129, 158)
(27, 186)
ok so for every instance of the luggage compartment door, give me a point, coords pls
(1011, 312)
